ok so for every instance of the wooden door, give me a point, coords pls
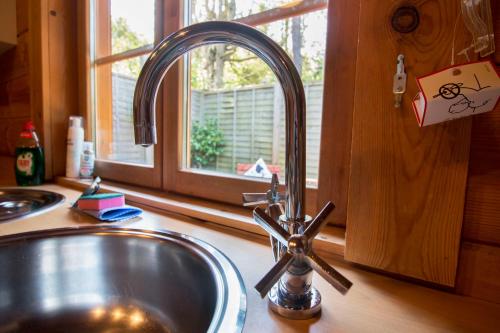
(407, 184)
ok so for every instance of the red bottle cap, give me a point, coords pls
(28, 126)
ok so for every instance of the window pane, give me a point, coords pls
(132, 24)
(115, 92)
(236, 115)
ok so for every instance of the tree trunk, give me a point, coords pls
(297, 42)
(227, 12)
(220, 51)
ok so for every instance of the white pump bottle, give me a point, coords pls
(74, 146)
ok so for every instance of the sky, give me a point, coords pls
(140, 17)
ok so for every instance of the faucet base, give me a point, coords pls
(300, 309)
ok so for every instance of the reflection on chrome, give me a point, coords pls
(119, 317)
(128, 280)
(20, 202)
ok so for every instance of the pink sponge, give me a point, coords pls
(101, 201)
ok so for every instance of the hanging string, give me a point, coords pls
(453, 40)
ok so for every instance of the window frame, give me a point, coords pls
(168, 173)
(100, 58)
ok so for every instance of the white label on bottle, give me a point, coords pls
(24, 163)
(87, 165)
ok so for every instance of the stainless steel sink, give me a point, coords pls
(111, 279)
(19, 202)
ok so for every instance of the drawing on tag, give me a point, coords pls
(463, 103)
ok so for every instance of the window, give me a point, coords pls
(122, 26)
(226, 129)
(236, 100)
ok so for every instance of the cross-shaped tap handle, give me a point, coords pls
(299, 246)
(270, 197)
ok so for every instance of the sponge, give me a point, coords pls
(101, 201)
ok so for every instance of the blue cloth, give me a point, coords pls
(114, 214)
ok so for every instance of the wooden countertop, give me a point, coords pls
(375, 303)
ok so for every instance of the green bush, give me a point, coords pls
(207, 142)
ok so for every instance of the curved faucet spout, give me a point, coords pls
(188, 38)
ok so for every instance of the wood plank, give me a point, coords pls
(22, 22)
(103, 82)
(63, 94)
(407, 184)
(482, 207)
(15, 84)
(125, 55)
(14, 63)
(39, 77)
(8, 31)
(495, 11)
(330, 240)
(287, 10)
(478, 271)
(15, 98)
(84, 68)
(338, 105)
(7, 176)
(9, 132)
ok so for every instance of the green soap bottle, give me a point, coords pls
(30, 161)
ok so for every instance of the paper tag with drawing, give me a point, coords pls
(456, 92)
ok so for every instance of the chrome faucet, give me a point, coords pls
(292, 232)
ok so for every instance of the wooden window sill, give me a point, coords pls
(331, 239)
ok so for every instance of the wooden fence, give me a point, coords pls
(252, 120)
(253, 123)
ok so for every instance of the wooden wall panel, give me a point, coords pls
(38, 78)
(63, 76)
(14, 63)
(482, 208)
(495, 8)
(479, 271)
(7, 176)
(15, 98)
(407, 184)
(479, 265)
(15, 84)
(338, 105)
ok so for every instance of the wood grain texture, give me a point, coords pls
(495, 11)
(479, 264)
(39, 76)
(7, 176)
(479, 271)
(62, 76)
(9, 132)
(330, 240)
(482, 206)
(338, 105)
(15, 101)
(84, 67)
(103, 82)
(15, 98)
(14, 63)
(407, 184)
